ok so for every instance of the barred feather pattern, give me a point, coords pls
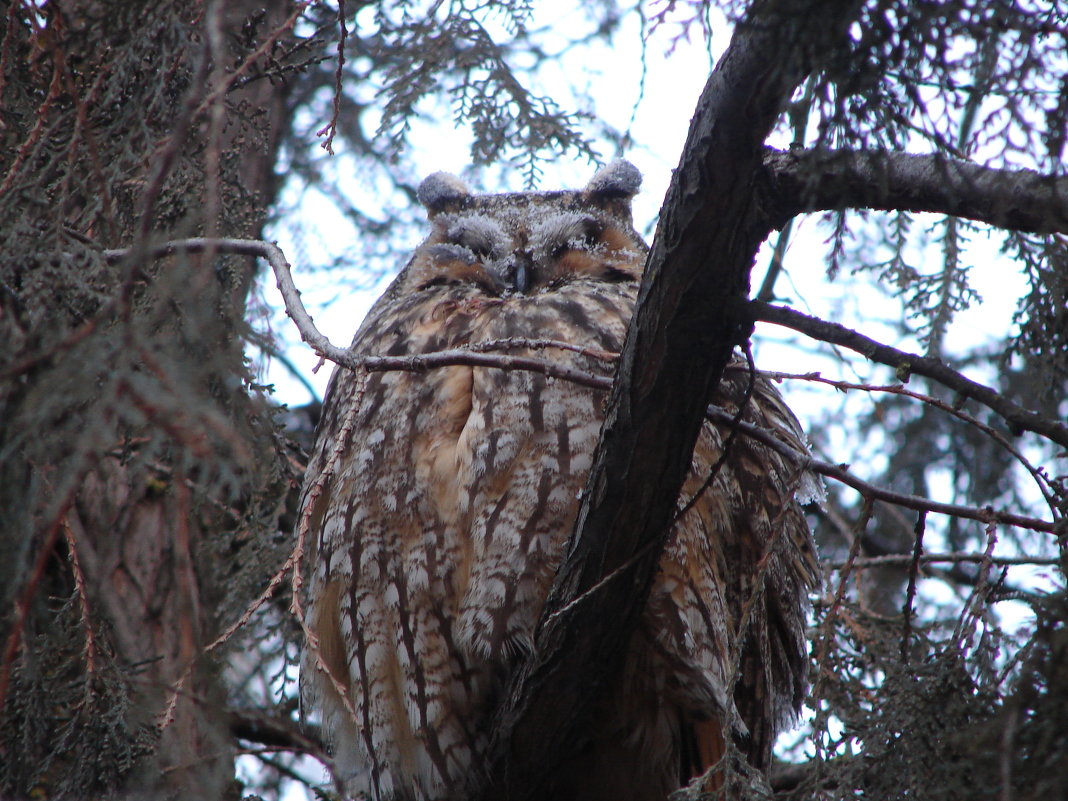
(438, 528)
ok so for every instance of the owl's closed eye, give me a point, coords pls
(529, 242)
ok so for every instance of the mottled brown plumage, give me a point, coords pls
(440, 523)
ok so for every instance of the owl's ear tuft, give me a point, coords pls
(616, 179)
(440, 190)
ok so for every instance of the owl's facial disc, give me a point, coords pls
(522, 244)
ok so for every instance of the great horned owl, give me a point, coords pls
(448, 496)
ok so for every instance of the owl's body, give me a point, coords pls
(450, 494)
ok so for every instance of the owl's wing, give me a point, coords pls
(384, 544)
(731, 601)
(534, 438)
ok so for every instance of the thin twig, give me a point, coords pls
(840, 472)
(972, 609)
(541, 344)
(910, 592)
(1018, 418)
(827, 627)
(83, 599)
(327, 350)
(1041, 480)
(245, 65)
(888, 560)
(331, 127)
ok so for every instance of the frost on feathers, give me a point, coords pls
(618, 178)
(440, 188)
(563, 229)
(811, 488)
(480, 233)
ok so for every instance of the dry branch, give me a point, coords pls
(1042, 482)
(951, 558)
(841, 473)
(477, 357)
(472, 357)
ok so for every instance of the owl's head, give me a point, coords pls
(527, 242)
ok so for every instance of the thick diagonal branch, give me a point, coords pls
(679, 341)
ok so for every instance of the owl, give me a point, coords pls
(439, 502)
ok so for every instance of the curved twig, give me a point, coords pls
(1041, 481)
(762, 311)
(1018, 418)
(840, 472)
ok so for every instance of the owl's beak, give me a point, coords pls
(521, 279)
(518, 272)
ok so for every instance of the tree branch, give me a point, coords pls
(571, 620)
(1018, 418)
(820, 180)
(478, 357)
(252, 725)
(1042, 481)
(953, 558)
(841, 473)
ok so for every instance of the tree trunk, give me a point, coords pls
(135, 464)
